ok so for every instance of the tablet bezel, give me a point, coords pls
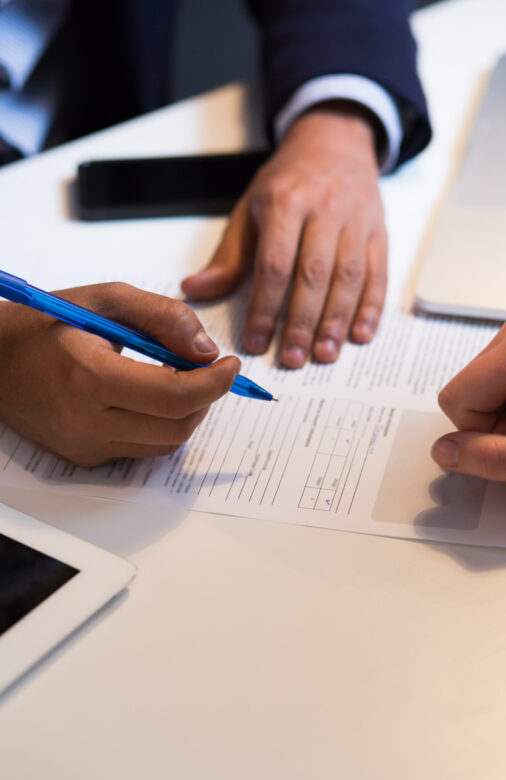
(101, 575)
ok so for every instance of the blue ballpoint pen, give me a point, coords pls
(19, 291)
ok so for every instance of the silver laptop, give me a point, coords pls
(464, 272)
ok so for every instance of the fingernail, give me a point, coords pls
(327, 349)
(257, 342)
(362, 330)
(203, 343)
(294, 355)
(446, 453)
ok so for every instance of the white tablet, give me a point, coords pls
(50, 583)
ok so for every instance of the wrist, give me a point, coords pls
(343, 124)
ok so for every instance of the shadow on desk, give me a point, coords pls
(474, 559)
(53, 656)
(121, 527)
(458, 502)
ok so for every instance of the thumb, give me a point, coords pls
(229, 263)
(481, 454)
(170, 321)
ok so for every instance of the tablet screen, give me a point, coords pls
(27, 577)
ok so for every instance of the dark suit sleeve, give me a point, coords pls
(304, 39)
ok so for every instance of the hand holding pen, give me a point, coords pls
(74, 394)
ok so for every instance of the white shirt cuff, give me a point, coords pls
(25, 119)
(347, 86)
(26, 28)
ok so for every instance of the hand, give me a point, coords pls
(312, 221)
(74, 394)
(475, 402)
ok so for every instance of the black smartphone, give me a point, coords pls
(164, 186)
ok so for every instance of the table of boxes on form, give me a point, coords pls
(334, 458)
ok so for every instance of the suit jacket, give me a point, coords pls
(117, 55)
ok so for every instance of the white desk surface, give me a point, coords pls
(254, 650)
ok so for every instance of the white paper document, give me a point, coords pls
(347, 446)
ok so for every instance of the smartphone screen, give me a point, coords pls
(164, 186)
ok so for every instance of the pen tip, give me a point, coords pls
(275, 399)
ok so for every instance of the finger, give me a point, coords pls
(473, 397)
(373, 295)
(134, 450)
(280, 227)
(481, 454)
(170, 321)
(231, 260)
(345, 292)
(498, 339)
(148, 389)
(132, 427)
(116, 451)
(312, 278)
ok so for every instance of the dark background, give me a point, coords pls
(216, 43)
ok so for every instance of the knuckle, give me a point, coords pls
(259, 321)
(446, 398)
(258, 331)
(333, 327)
(119, 287)
(313, 273)
(189, 404)
(111, 296)
(350, 271)
(178, 405)
(275, 266)
(330, 205)
(301, 322)
(116, 289)
(176, 309)
(285, 195)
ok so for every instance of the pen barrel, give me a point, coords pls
(89, 321)
(13, 288)
(84, 319)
